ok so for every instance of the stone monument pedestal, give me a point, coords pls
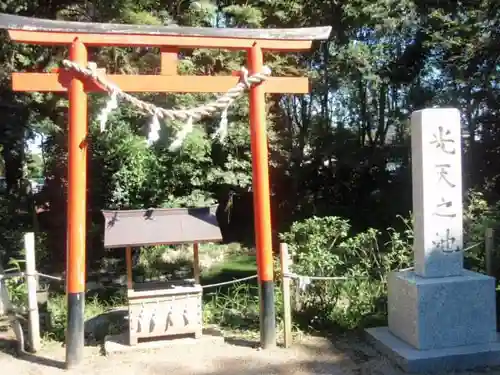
(440, 324)
(436, 313)
(441, 317)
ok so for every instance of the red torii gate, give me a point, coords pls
(78, 36)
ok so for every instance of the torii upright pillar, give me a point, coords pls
(78, 36)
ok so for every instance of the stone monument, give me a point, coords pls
(441, 316)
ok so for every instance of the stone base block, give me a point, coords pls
(438, 361)
(437, 313)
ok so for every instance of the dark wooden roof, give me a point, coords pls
(160, 227)
(13, 22)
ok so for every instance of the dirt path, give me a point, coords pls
(349, 356)
(311, 356)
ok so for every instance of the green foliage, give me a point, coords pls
(236, 308)
(176, 261)
(322, 247)
(16, 286)
(141, 18)
(35, 166)
(16, 218)
(196, 198)
(478, 217)
(58, 310)
(123, 163)
(244, 15)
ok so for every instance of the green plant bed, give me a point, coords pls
(237, 307)
(234, 306)
(235, 267)
(57, 308)
(234, 264)
(114, 295)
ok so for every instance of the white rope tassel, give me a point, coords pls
(244, 76)
(111, 105)
(222, 130)
(154, 129)
(181, 136)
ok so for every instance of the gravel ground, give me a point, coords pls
(311, 356)
(350, 355)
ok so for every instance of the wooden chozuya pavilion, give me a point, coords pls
(162, 308)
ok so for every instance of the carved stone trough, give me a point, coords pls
(162, 308)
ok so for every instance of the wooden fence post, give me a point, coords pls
(285, 285)
(31, 281)
(488, 250)
(196, 262)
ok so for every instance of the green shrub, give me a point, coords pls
(478, 216)
(236, 308)
(167, 260)
(57, 307)
(322, 247)
(16, 286)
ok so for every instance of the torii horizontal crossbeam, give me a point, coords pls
(59, 82)
(54, 32)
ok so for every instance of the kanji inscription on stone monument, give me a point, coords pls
(437, 192)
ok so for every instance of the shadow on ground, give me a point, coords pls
(10, 347)
(42, 361)
(246, 343)
(111, 322)
(242, 366)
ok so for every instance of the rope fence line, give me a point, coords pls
(50, 277)
(305, 280)
(24, 274)
(221, 104)
(473, 246)
(312, 278)
(229, 282)
(39, 274)
(291, 275)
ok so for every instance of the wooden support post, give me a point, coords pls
(488, 251)
(77, 210)
(262, 204)
(168, 61)
(31, 281)
(196, 262)
(285, 287)
(128, 262)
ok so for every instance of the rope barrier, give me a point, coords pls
(473, 246)
(304, 280)
(24, 274)
(229, 282)
(297, 276)
(49, 276)
(221, 104)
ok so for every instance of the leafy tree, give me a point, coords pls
(342, 150)
(35, 166)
